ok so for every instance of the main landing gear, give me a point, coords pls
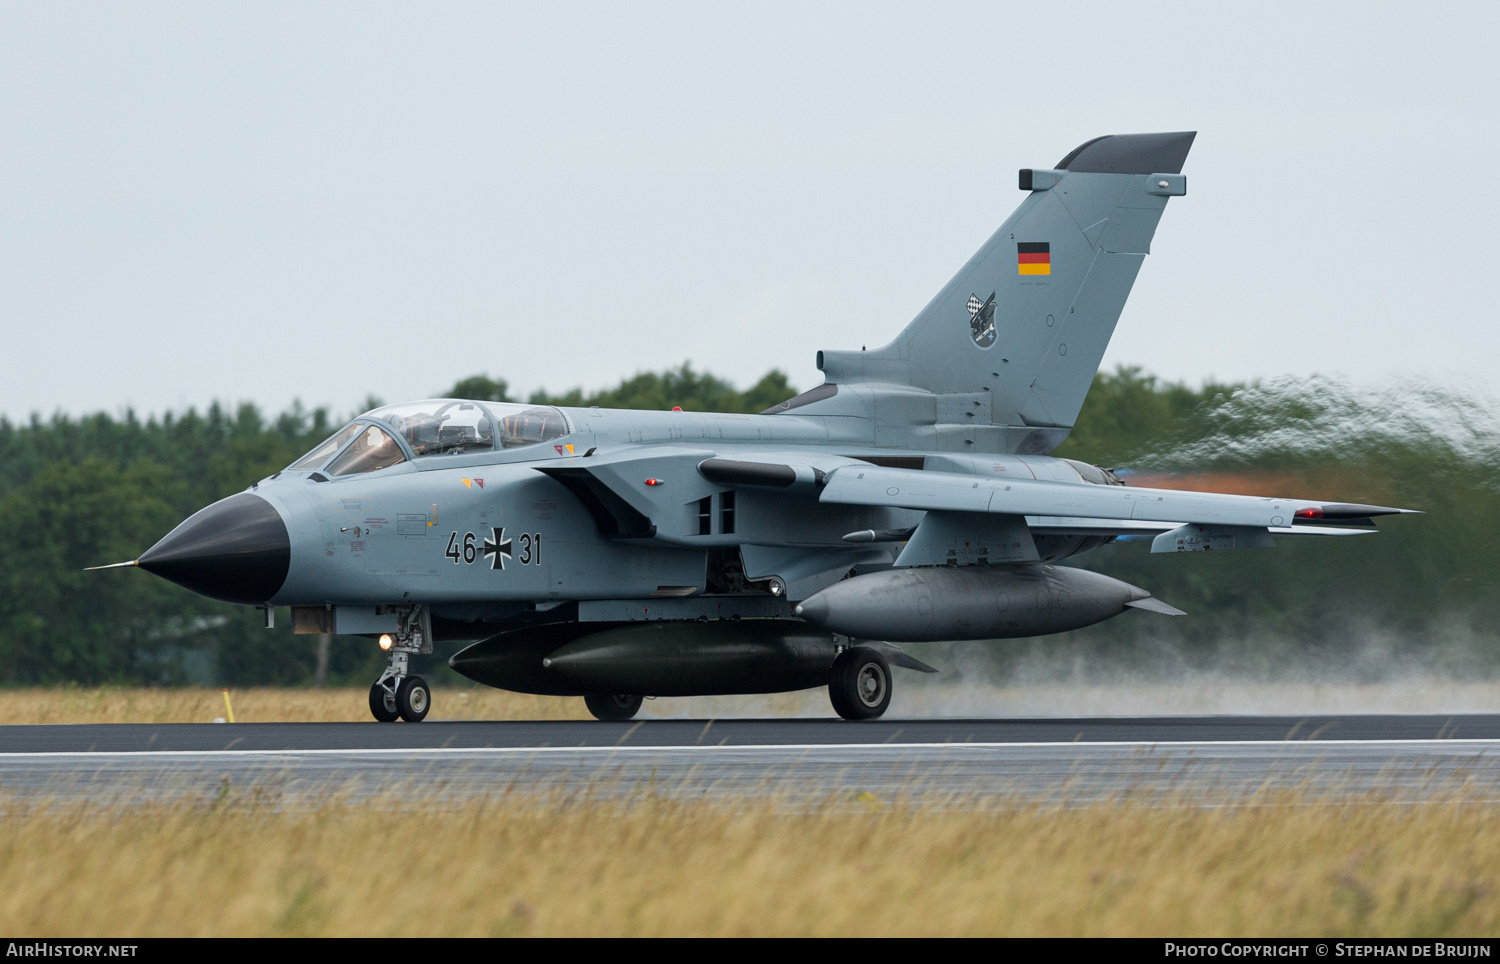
(612, 706)
(397, 694)
(859, 684)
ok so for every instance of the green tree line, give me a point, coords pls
(95, 489)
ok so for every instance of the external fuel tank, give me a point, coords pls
(972, 602)
(677, 658)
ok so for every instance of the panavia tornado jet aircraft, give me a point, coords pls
(615, 555)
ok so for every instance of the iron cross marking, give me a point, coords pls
(497, 548)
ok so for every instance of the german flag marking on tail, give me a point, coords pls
(1034, 257)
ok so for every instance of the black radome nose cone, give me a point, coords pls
(236, 550)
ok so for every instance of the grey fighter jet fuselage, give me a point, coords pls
(621, 554)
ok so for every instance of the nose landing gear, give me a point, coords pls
(397, 694)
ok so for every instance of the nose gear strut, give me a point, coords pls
(397, 693)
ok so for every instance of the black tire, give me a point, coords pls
(383, 704)
(859, 684)
(612, 706)
(413, 699)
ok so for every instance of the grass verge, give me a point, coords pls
(520, 863)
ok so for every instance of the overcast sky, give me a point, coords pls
(270, 202)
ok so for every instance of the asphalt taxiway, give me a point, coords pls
(1069, 760)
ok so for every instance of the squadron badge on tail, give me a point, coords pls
(982, 320)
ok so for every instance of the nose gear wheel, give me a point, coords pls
(413, 699)
(383, 703)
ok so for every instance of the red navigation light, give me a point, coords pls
(1311, 512)
(653, 481)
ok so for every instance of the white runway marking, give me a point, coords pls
(1070, 772)
(1404, 746)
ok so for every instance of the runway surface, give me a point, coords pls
(964, 762)
(787, 732)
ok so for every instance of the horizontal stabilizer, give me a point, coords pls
(1152, 604)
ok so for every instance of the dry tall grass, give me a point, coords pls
(111, 704)
(547, 865)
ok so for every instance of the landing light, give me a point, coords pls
(385, 641)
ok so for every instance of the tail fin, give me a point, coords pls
(1019, 332)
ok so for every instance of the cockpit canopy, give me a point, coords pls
(439, 428)
(394, 433)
